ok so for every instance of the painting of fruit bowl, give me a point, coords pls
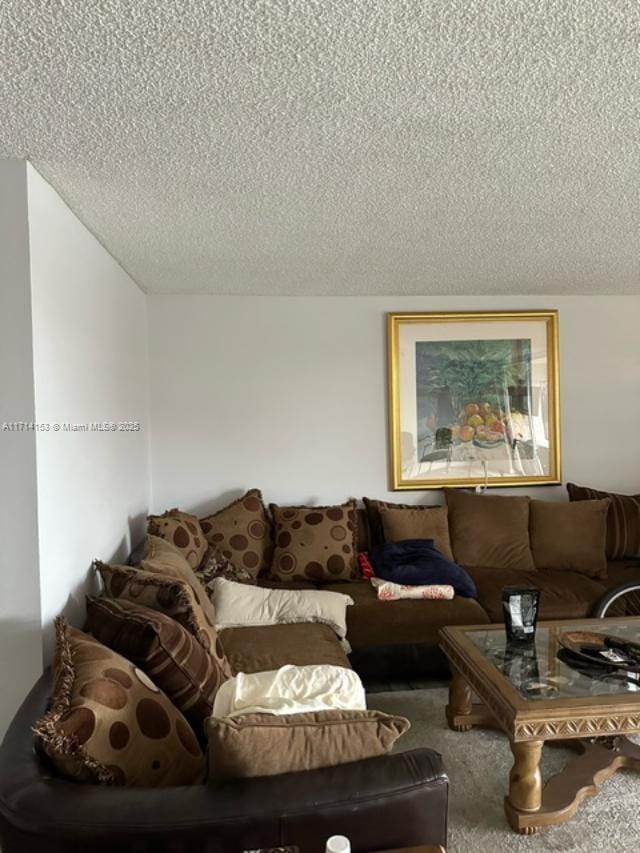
(473, 399)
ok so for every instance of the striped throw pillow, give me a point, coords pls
(623, 520)
(164, 650)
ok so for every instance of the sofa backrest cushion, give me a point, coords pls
(418, 522)
(169, 654)
(570, 536)
(317, 543)
(373, 508)
(623, 520)
(110, 723)
(487, 530)
(243, 532)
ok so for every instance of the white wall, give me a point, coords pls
(90, 365)
(20, 643)
(289, 394)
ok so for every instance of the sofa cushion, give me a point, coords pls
(169, 595)
(487, 530)
(269, 647)
(623, 520)
(274, 583)
(267, 745)
(169, 654)
(418, 522)
(242, 531)
(373, 508)
(563, 595)
(184, 533)
(372, 622)
(570, 536)
(621, 571)
(109, 722)
(315, 543)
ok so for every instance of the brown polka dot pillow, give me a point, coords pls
(168, 653)
(242, 532)
(184, 533)
(109, 723)
(171, 596)
(315, 543)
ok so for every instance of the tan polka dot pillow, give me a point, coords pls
(242, 532)
(183, 531)
(109, 723)
(315, 543)
(169, 595)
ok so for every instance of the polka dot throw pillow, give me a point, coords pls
(183, 531)
(242, 532)
(109, 723)
(315, 543)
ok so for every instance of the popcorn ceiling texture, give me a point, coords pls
(333, 146)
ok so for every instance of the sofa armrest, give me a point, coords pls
(386, 802)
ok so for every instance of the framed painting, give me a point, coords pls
(473, 399)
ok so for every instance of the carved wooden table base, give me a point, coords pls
(531, 805)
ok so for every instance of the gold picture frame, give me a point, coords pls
(473, 399)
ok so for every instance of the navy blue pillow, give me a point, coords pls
(417, 562)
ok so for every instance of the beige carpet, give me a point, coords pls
(478, 764)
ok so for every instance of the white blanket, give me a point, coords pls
(388, 591)
(242, 605)
(291, 690)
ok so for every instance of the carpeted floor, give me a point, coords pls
(478, 764)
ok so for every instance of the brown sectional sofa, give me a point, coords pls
(386, 802)
(399, 639)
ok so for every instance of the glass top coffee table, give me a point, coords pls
(535, 697)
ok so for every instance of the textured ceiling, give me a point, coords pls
(338, 146)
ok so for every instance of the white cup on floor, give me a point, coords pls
(338, 844)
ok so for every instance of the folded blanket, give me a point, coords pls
(417, 562)
(388, 591)
(291, 690)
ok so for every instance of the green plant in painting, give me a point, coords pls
(477, 390)
(474, 370)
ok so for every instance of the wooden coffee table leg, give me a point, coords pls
(597, 760)
(525, 783)
(460, 705)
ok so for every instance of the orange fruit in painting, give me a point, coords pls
(467, 433)
(497, 426)
(472, 409)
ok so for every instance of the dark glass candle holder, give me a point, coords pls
(520, 605)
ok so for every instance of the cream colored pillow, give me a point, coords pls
(238, 605)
